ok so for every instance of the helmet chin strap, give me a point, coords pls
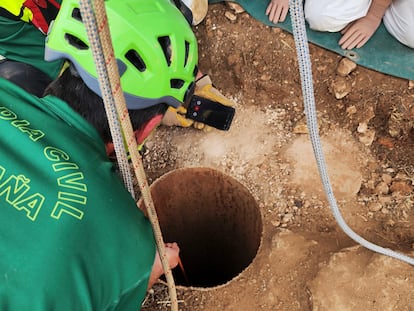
(140, 135)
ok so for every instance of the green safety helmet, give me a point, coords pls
(154, 45)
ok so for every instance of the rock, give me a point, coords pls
(375, 206)
(340, 87)
(357, 279)
(287, 217)
(367, 138)
(410, 84)
(384, 199)
(351, 110)
(265, 77)
(387, 178)
(401, 176)
(345, 67)
(344, 170)
(370, 184)
(230, 16)
(401, 187)
(277, 30)
(237, 8)
(387, 142)
(396, 123)
(362, 128)
(301, 127)
(382, 188)
(369, 114)
(275, 223)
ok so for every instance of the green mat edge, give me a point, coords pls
(367, 56)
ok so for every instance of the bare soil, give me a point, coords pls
(305, 261)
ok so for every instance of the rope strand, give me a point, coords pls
(101, 44)
(303, 55)
(108, 99)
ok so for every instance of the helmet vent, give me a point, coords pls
(187, 50)
(176, 83)
(76, 42)
(136, 60)
(76, 14)
(165, 44)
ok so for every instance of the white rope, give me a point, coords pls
(101, 45)
(302, 49)
(106, 90)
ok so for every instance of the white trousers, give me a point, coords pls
(399, 21)
(334, 15)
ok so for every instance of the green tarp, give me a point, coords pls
(382, 52)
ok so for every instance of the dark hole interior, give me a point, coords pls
(215, 221)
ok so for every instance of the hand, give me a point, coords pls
(357, 33)
(205, 88)
(277, 10)
(173, 256)
(176, 117)
(172, 252)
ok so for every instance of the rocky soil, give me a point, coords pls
(305, 261)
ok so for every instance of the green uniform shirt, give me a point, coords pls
(22, 42)
(71, 236)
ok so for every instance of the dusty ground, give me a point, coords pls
(305, 261)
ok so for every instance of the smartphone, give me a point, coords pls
(210, 113)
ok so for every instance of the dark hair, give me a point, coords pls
(28, 77)
(70, 88)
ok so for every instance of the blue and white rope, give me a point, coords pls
(88, 17)
(305, 70)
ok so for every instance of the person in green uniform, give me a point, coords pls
(22, 53)
(23, 26)
(71, 236)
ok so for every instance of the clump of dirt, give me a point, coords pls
(305, 261)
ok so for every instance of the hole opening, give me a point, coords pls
(215, 221)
